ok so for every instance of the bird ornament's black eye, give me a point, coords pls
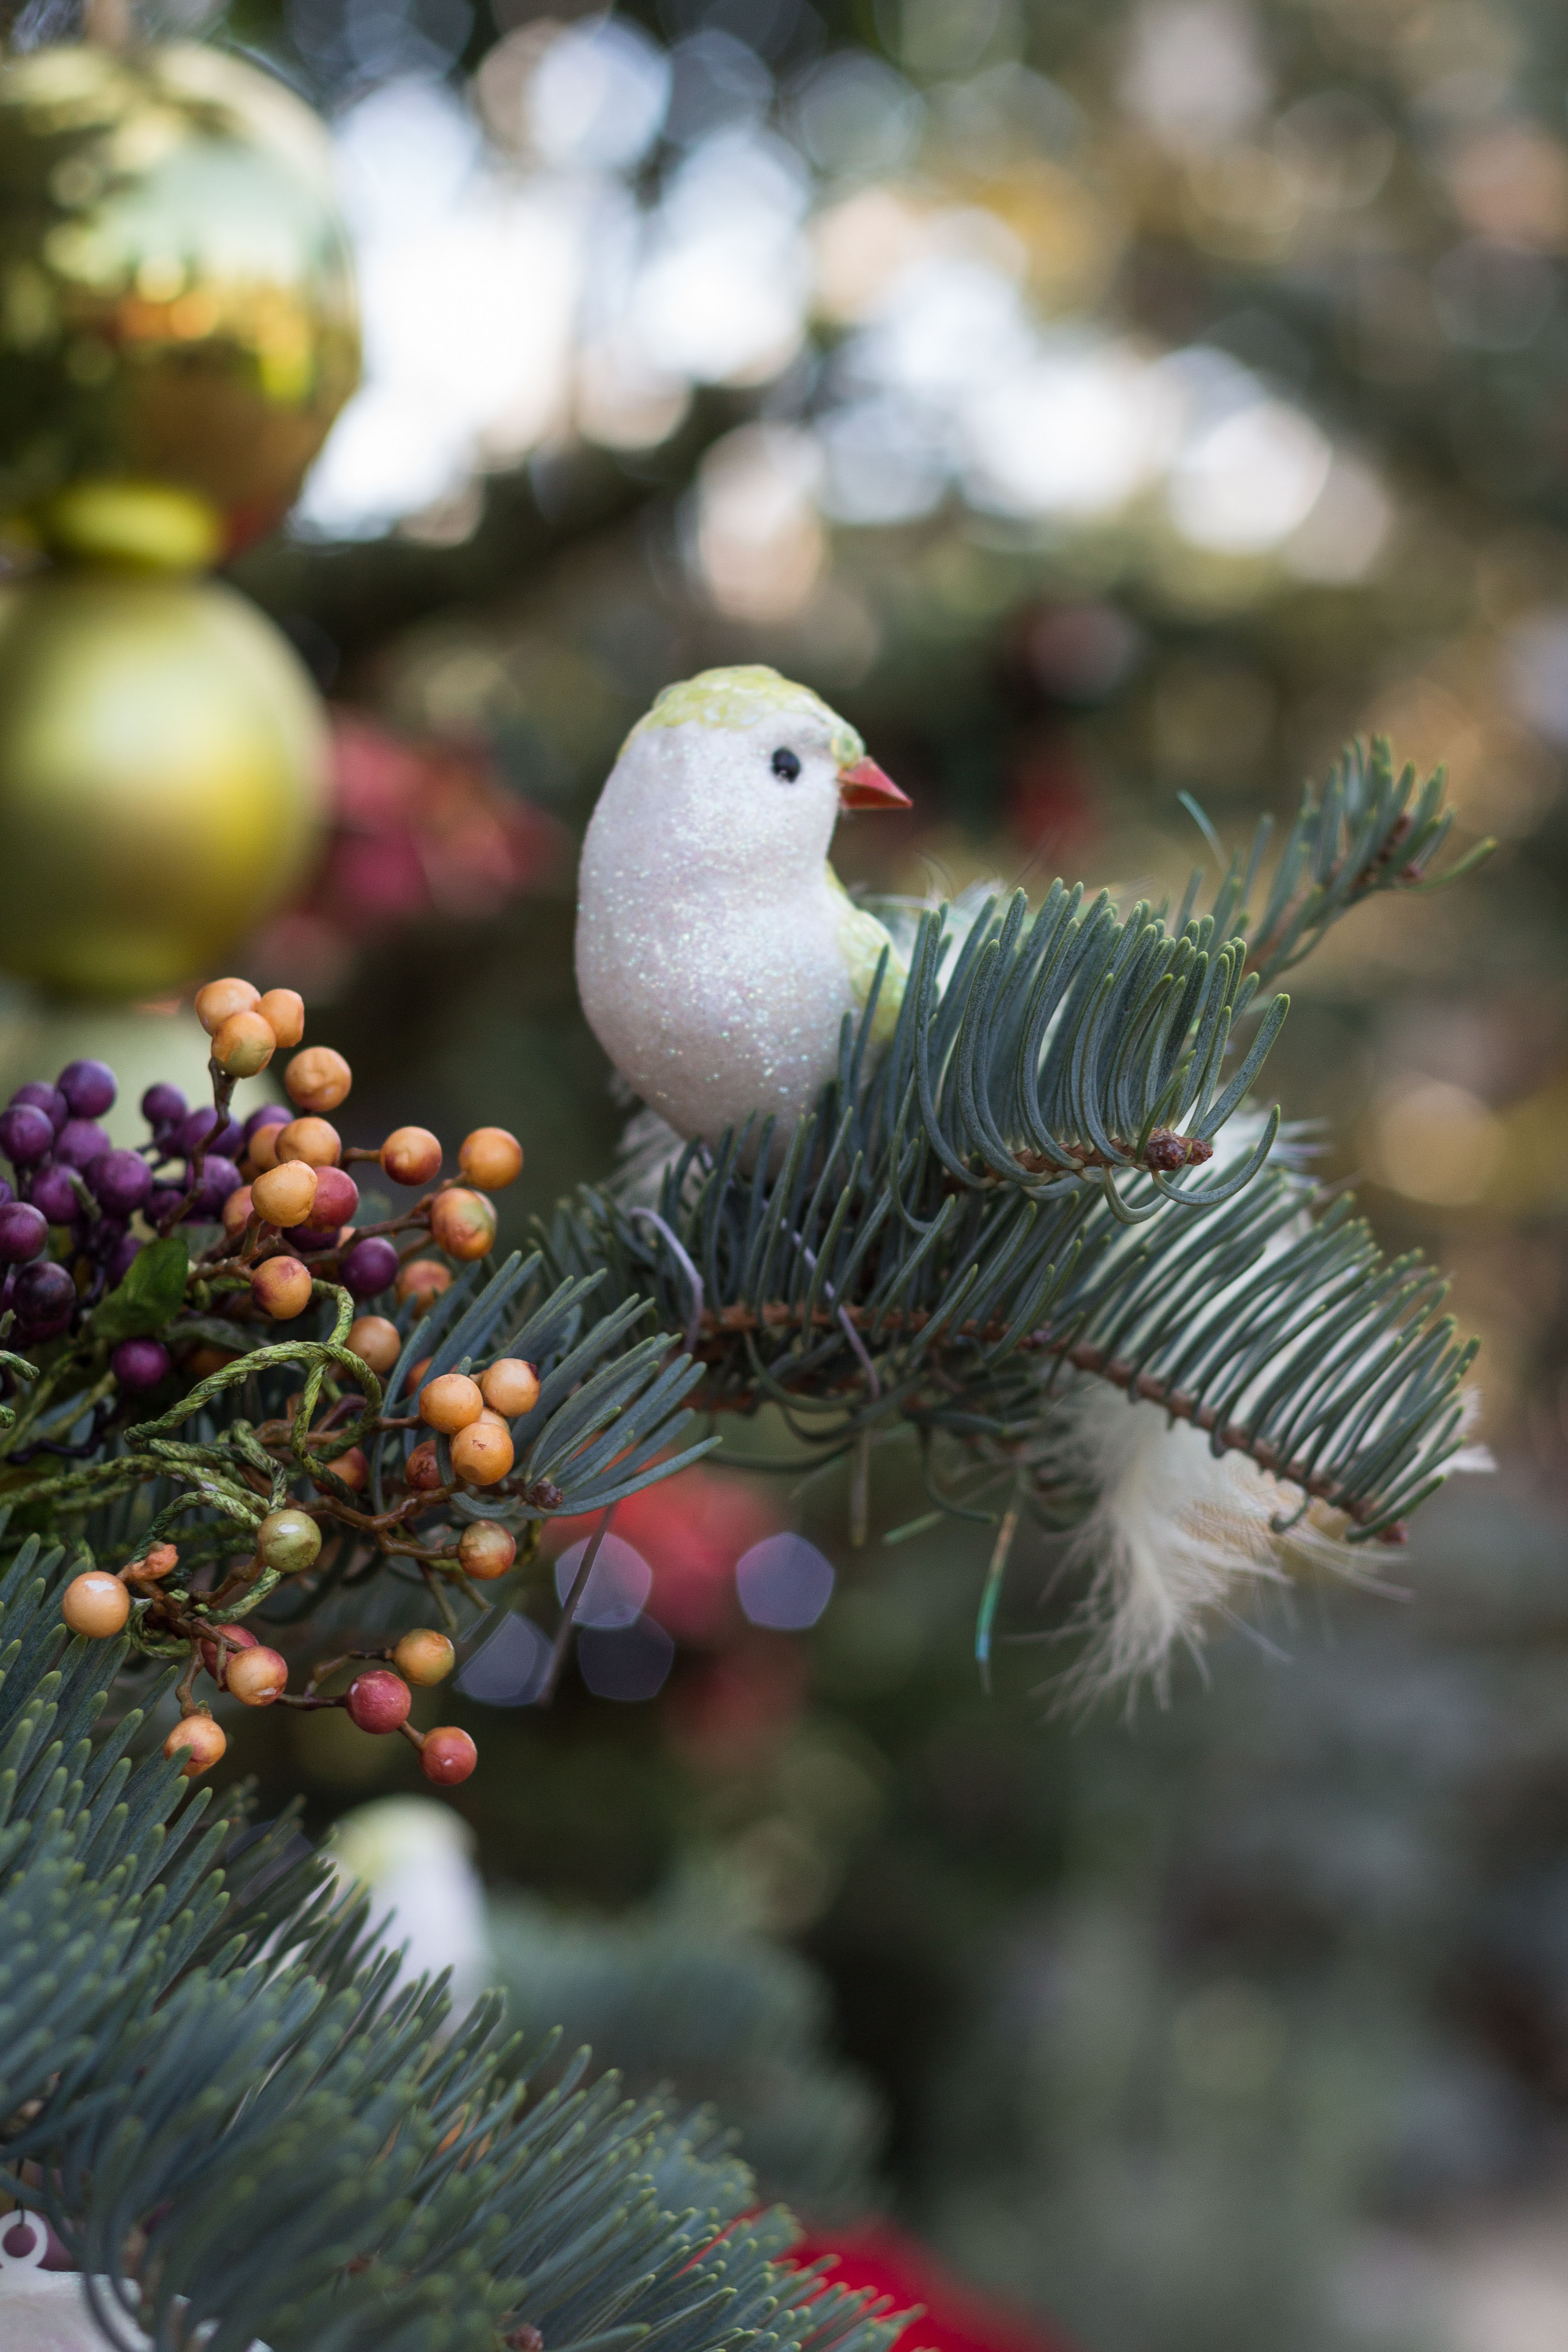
(786, 767)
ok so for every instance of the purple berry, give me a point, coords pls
(121, 1181)
(48, 1099)
(269, 1115)
(139, 1363)
(55, 1193)
(310, 1244)
(369, 1266)
(5, 1193)
(24, 1230)
(162, 1201)
(90, 1087)
(44, 1298)
(120, 1259)
(163, 1105)
(219, 1179)
(213, 1129)
(27, 1134)
(79, 1142)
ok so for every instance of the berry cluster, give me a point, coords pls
(97, 1606)
(68, 1179)
(283, 1214)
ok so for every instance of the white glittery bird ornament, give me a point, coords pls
(717, 949)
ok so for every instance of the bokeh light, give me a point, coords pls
(784, 1582)
(508, 1669)
(628, 1662)
(618, 1582)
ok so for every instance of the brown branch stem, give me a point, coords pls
(1084, 1357)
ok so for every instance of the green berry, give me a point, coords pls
(288, 1541)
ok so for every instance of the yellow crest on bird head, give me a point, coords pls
(740, 697)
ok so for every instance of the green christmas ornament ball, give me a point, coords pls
(163, 775)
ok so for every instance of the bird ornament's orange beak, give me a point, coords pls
(864, 786)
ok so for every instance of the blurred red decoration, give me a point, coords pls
(691, 1529)
(420, 828)
(1050, 798)
(731, 1711)
(956, 2317)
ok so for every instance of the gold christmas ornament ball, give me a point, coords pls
(179, 328)
(163, 775)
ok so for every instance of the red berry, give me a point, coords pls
(447, 1756)
(422, 1471)
(379, 1700)
(337, 1198)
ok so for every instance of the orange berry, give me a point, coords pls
(447, 1756)
(257, 1676)
(220, 998)
(203, 1362)
(96, 1604)
(377, 1342)
(263, 1152)
(490, 1158)
(244, 1046)
(202, 1740)
(422, 1471)
(416, 1379)
(423, 1279)
(482, 1452)
(510, 1386)
(316, 1141)
(451, 1402)
(286, 1194)
(318, 1078)
(411, 1155)
(424, 1658)
(490, 1419)
(236, 1213)
(281, 1288)
(462, 1223)
(215, 1657)
(486, 1551)
(353, 1468)
(283, 1010)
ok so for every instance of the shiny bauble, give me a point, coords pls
(177, 308)
(163, 774)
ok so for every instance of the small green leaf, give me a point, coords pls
(152, 1293)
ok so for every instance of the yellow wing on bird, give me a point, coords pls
(861, 941)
